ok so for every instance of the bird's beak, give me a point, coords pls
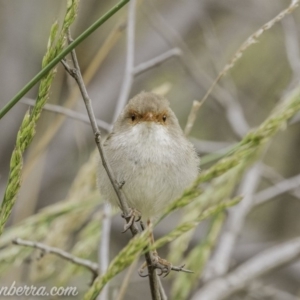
(149, 117)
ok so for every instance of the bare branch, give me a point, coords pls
(91, 266)
(69, 113)
(278, 189)
(255, 267)
(219, 263)
(156, 61)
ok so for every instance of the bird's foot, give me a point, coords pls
(162, 265)
(133, 216)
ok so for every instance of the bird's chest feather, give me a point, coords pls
(146, 144)
(148, 155)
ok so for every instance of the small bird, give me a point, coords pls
(148, 152)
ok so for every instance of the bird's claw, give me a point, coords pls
(163, 266)
(141, 270)
(133, 216)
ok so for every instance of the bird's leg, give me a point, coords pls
(133, 216)
(157, 262)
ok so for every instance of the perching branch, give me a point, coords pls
(76, 74)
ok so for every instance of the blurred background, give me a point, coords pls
(207, 33)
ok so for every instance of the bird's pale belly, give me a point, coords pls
(151, 182)
(150, 188)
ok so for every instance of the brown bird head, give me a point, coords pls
(148, 109)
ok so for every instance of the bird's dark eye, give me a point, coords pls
(133, 116)
(164, 118)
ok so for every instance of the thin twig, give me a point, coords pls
(154, 281)
(192, 117)
(91, 266)
(156, 61)
(255, 267)
(219, 263)
(162, 291)
(278, 189)
(76, 74)
(274, 177)
(69, 113)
